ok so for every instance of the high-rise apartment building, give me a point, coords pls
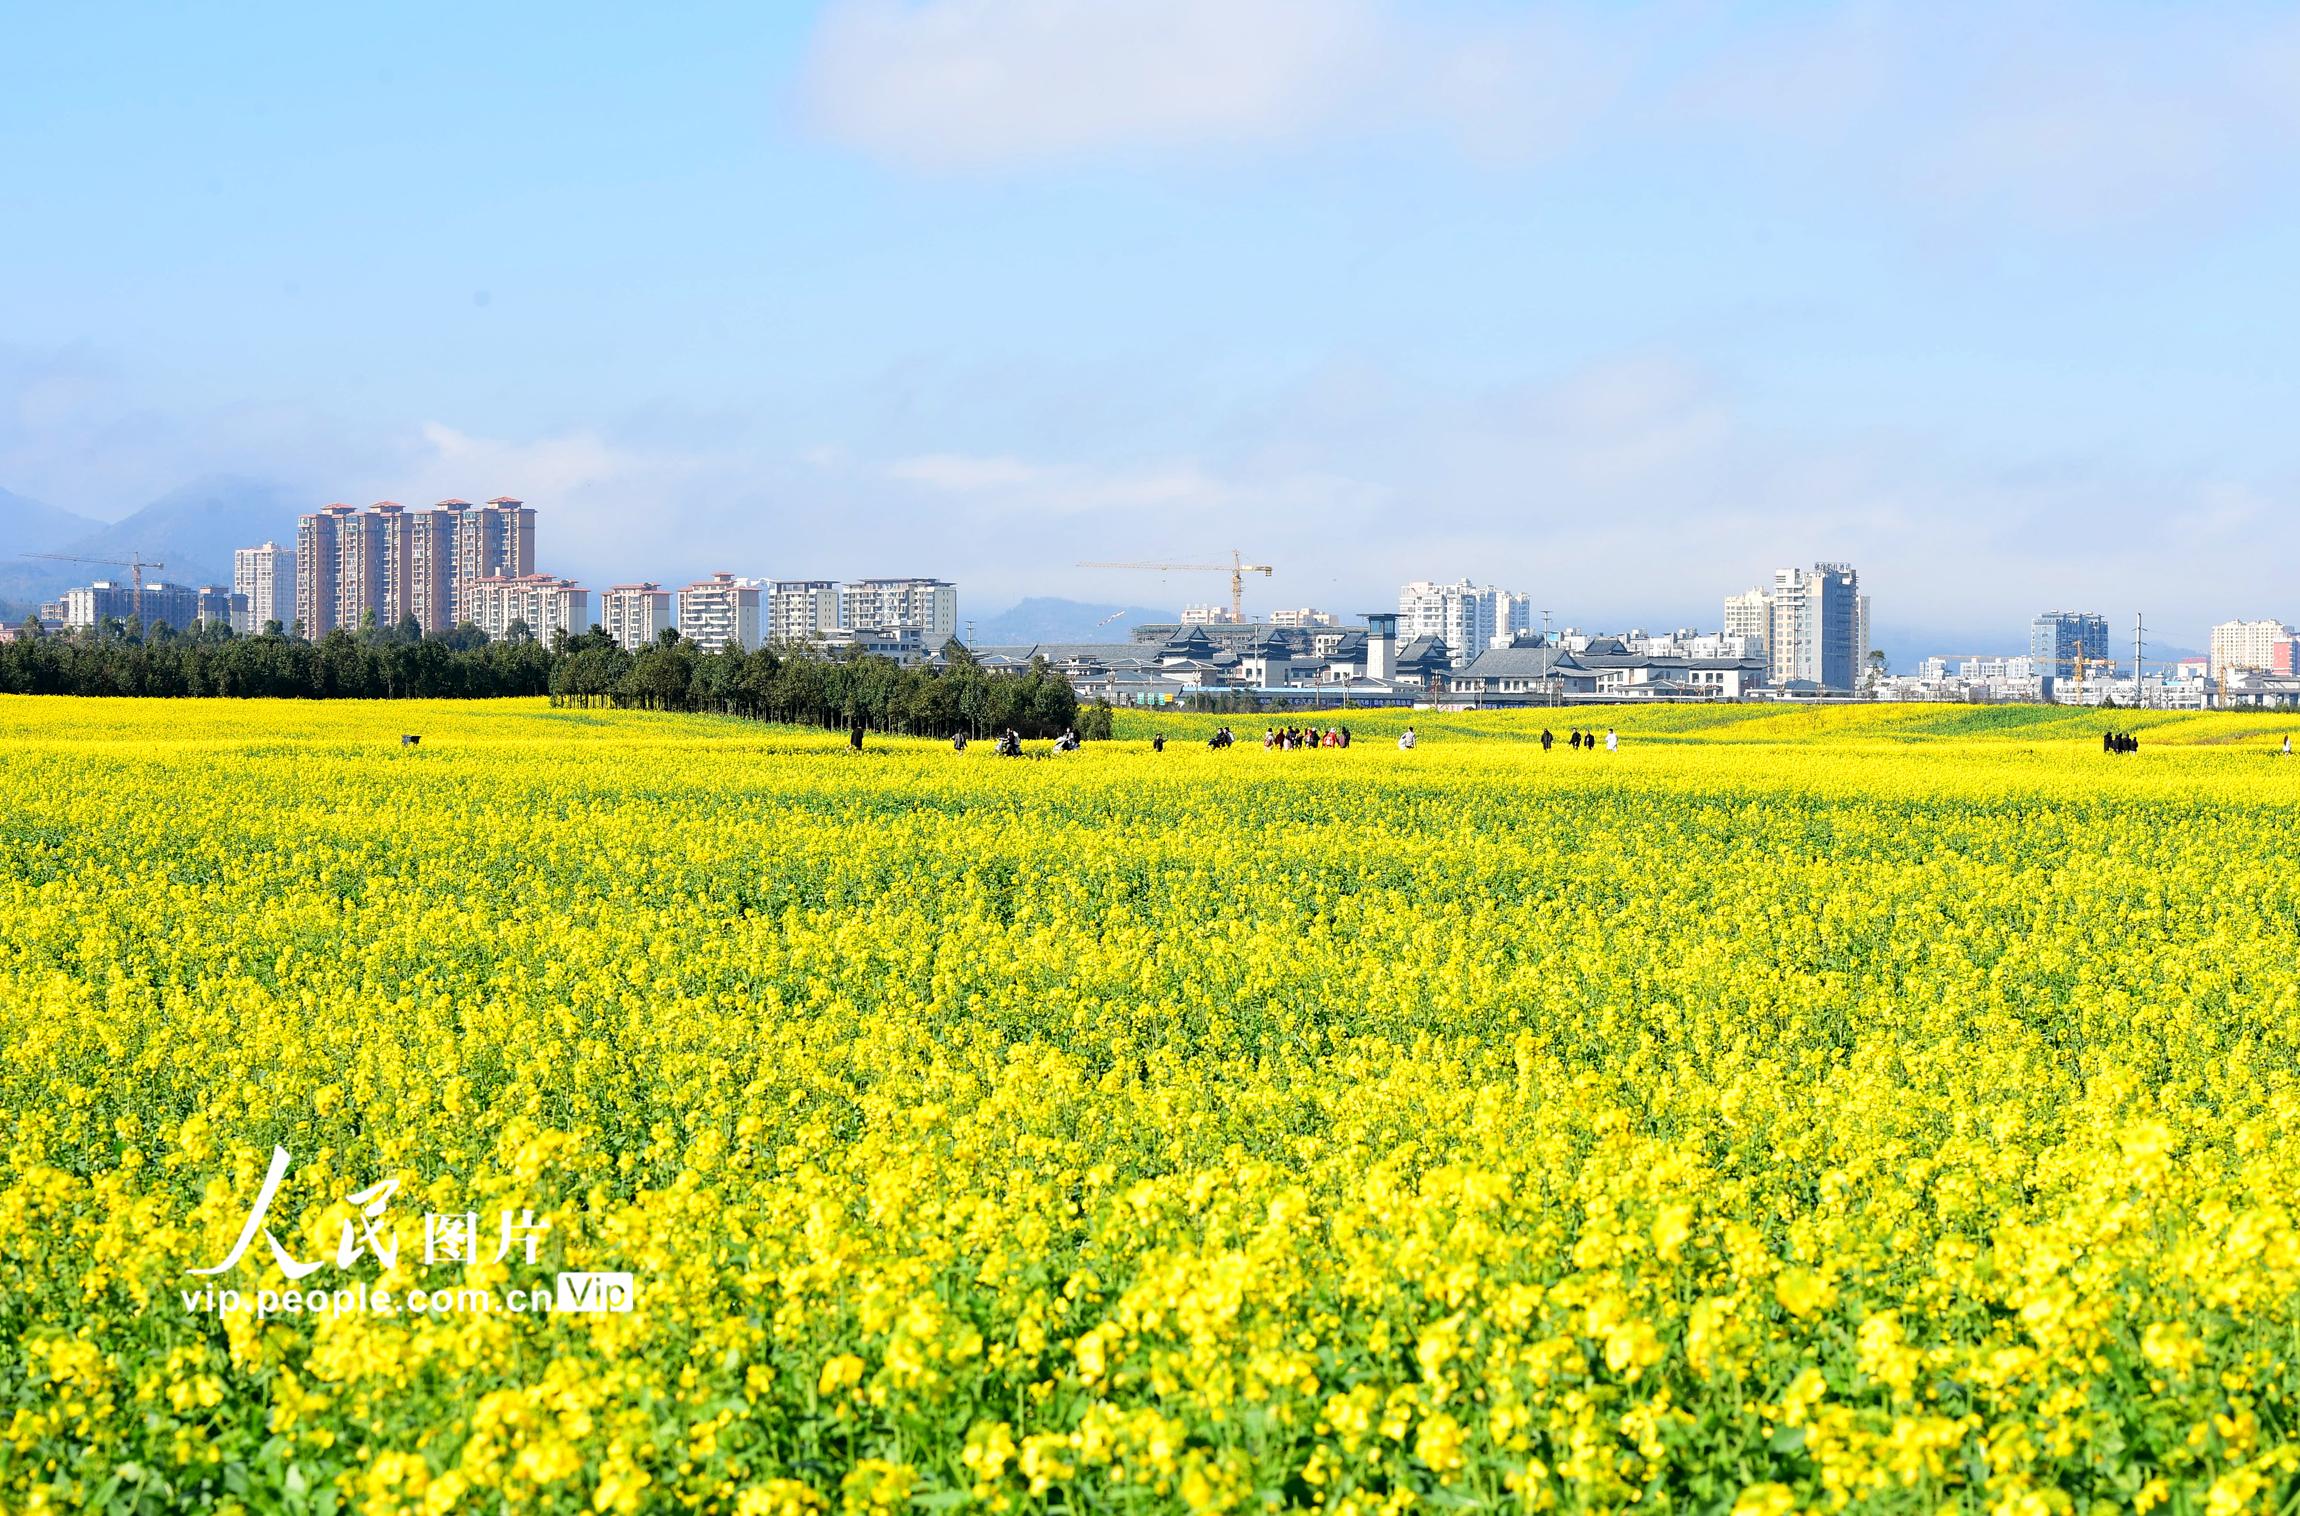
(318, 557)
(800, 610)
(547, 604)
(2249, 646)
(634, 614)
(431, 575)
(265, 575)
(929, 605)
(721, 611)
(359, 567)
(1304, 616)
(1466, 616)
(493, 541)
(2057, 639)
(393, 563)
(1817, 626)
(1750, 618)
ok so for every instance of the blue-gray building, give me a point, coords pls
(2056, 637)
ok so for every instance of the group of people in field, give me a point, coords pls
(1009, 743)
(2119, 742)
(1286, 739)
(1578, 740)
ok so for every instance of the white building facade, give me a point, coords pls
(265, 575)
(547, 604)
(634, 614)
(1818, 626)
(2243, 646)
(1469, 618)
(1750, 617)
(929, 605)
(722, 610)
(800, 610)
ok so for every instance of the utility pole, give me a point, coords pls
(2138, 699)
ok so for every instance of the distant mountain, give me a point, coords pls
(196, 529)
(27, 526)
(193, 530)
(1045, 618)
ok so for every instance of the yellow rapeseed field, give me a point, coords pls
(1889, 1110)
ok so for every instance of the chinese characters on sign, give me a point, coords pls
(449, 1238)
(446, 1239)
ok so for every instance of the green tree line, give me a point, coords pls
(403, 663)
(391, 663)
(789, 685)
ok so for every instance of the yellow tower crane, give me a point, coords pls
(1237, 568)
(2083, 663)
(134, 563)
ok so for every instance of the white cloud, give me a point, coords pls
(972, 84)
(976, 82)
(2030, 111)
(1181, 492)
(2029, 108)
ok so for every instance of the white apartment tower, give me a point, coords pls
(548, 605)
(1750, 618)
(1468, 617)
(800, 610)
(266, 576)
(634, 614)
(2250, 646)
(929, 605)
(722, 611)
(1817, 626)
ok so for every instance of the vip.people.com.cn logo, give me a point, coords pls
(449, 1239)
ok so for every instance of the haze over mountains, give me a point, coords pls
(193, 530)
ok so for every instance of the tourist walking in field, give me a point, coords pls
(1612, 742)
(1575, 742)
(1158, 742)
(1547, 737)
(2287, 747)
(1406, 740)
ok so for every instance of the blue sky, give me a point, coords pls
(1623, 305)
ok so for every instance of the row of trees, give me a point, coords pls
(369, 664)
(782, 684)
(402, 663)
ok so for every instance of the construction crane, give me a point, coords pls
(2082, 663)
(1237, 568)
(134, 563)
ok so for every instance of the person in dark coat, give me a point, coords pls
(854, 736)
(1574, 741)
(1547, 737)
